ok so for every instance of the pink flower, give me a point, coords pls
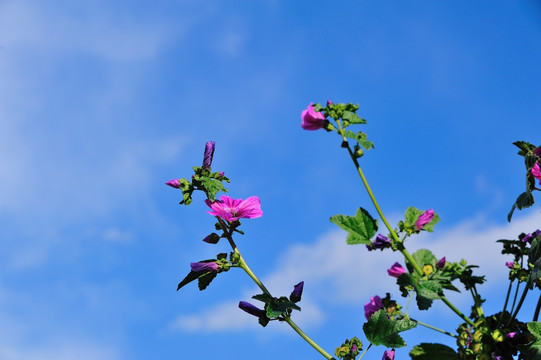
(396, 270)
(371, 307)
(233, 209)
(536, 172)
(388, 355)
(510, 264)
(312, 120)
(424, 219)
(174, 183)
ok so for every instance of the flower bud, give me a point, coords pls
(441, 263)
(251, 309)
(312, 120)
(388, 355)
(205, 266)
(209, 153)
(396, 270)
(424, 219)
(297, 292)
(175, 183)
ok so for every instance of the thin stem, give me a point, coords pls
(515, 298)
(476, 300)
(400, 245)
(294, 326)
(251, 274)
(537, 309)
(506, 301)
(521, 301)
(434, 328)
(365, 350)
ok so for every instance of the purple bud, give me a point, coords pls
(205, 266)
(353, 347)
(209, 153)
(329, 103)
(251, 309)
(297, 292)
(221, 173)
(396, 270)
(529, 237)
(175, 183)
(372, 306)
(381, 242)
(212, 238)
(424, 219)
(441, 263)
(388, 355)
(511, 335)
(510, 264)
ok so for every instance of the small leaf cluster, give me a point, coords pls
(528, 252)
(526, 199)
(349, 349)
(211, 183)
(345, 115)
(411, 216)
(361, 227)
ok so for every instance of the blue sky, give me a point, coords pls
(102, 102)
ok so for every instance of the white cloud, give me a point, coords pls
(337, 273)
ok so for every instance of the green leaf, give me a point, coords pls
(423, 257)
(523, 201)
(533, 350)
(279, 307)
(411, 216)
(427, 351)
(525, 147)
(350, 118)
(188, 279)
(361, 227)
(205, 279)
(212, 186)
(380, 330)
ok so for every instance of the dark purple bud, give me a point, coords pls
(510, 264)
(212, 238)
(209, 153)
(529, 237)
(329, 103)
(441, 263)
(175, 183)
(251, 309)
(205, 266)
(381, 242)
(297, 292)
(424, 219)
(388, 355)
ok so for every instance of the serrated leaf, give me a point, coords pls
(423, 257)
(380, 330)
(411, 216)
(188, 279)
(427, 351)
(352, 118)
(525, 147)
(533, 350)
(523, 201)
(205, 279)
(212, 187)
(361, 227)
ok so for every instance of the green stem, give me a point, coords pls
(393, 234)
(364, 352)
(434, 328)
(520, 302)
(537, 309)
(252, 275)
(506, 302)
(294, 326)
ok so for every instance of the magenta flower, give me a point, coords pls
(297, 292)
(388, 355)
(510, 264)
(536, 172)
(396, 270)
(233, 209)
(209, 153)
(371, 307)
(511, 335)
(312, 120)
(174, 183)
(381, 242)
(424, 219)
(251, 309)
(205, 266)
(441, 263)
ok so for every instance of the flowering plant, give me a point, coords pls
(425, 277)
